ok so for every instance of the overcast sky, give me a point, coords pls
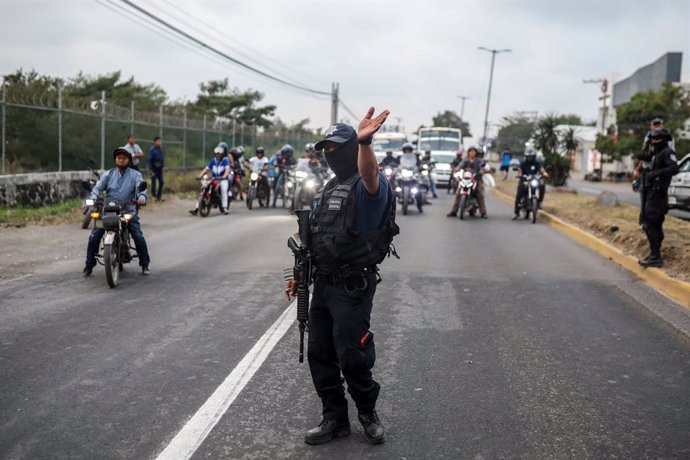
(412, 57)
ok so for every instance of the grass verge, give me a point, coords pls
(618, 226)
(69, 211)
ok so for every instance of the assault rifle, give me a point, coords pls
(300, 244)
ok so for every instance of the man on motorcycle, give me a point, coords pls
(220, 169)
(120, 185)
(389, 160)
(426, 160)
(259, 162)
(283, 162)
(529, 166)
(474, 164)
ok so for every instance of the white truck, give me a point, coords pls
(388, 142)
(443, 143)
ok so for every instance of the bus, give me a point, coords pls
(386, 142)
(443, 143)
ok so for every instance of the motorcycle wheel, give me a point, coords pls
(250, 197)
(264, 198)
(463, 207)
(112, 264)
(405, 200)
(204, 206)
(535, 209)
(288, 199)
(420, 203)
(87, 219)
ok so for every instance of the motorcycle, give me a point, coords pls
(91, 206)
(116, 243)
(306, 185)
(391, 174)
(410, 188)
(529, 203)
(258, 188)
(210, 195)
(467, 187)
(286, 186)
(234, 179)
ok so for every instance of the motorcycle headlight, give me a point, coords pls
(414, 190)
(289, 184)
(254, 176)
(300, 174)
(95, 215)
(388, 171)
(127, 217)
(457, 175)
(310, 183)
(425, 166)
(204, 177)
(425, 173)
(534, 183)
(89, 202)
(407, 173)
(398, 189)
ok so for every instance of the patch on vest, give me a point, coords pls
(334, 204)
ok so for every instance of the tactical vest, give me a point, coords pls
(336, 247)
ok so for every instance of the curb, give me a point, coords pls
(675, 289)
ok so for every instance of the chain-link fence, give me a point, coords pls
(49, 132)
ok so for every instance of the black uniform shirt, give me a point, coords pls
(664, 167)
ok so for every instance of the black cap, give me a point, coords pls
(121, 151)
(661, 133)
(657, 121)
(338, 133)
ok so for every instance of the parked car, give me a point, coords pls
(442, 169)
(679, 191)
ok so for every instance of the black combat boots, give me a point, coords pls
(327, 431)
(373, 430)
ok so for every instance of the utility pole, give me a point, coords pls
(131, 121)
(102, 130)
(334, 103)
(59, 126)
(604, 96)
(4, 115)
(488, 97)
(462, 109)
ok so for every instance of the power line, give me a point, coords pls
(355, 117)
(229, 37)
(220, 53)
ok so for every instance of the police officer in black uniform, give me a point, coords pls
(353, 223)
(663, 166)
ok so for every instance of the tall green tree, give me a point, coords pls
(218, 99)
(450, 119)
(118, 92)
(671, 102)
(546, 138)
(515, 131)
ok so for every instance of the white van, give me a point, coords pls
(443, 143)
(679, 191)
(388, 142)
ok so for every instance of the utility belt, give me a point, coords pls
(349, 277)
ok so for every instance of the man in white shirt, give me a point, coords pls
(133, 148)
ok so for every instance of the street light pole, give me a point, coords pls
(462, 117)
(488, 97)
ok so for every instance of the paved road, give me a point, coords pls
(623, 190)
(494, 339)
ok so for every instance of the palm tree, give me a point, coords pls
(570, 143)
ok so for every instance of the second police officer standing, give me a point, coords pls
(353, 224)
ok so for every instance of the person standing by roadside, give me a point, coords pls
(137, 153)
(353, 224)
(506, 156)
(644, 162)
(156, 164)
(663, 166)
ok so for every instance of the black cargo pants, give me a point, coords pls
(340, 342)
(653, 216)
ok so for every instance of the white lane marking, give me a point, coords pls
(190, 437)
(17, 279)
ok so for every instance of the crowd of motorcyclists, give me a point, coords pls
(294, 182)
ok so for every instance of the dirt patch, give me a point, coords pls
(619, 227)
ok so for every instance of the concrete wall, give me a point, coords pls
(40, 189)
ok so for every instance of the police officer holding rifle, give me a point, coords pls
(350, 231)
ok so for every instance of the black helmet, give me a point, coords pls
(121, 151)
(407, 146)
(661, 133)
(260, 150)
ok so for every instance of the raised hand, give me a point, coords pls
(368, 126)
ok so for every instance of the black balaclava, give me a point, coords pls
(343, 160)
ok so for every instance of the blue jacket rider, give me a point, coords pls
(120, 185)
